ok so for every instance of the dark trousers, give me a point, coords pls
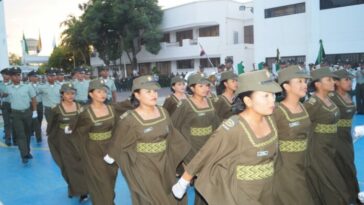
(6, 111)
(47, 113)
(359, 94)
(37, 123)
(22, 122)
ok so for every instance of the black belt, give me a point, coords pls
(20, 111)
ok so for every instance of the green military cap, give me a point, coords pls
(227, 75)
(342, 73)
(87, 71)
(5, 71)
(97, 84)
(197, 78)
(322, 72)
(293, 71)
(51, 71)
(177, 79)
(228, 59)
(60, 71)
(145, 82)
(32, 74)
(14, 71)
(257, 81)
(67, 87)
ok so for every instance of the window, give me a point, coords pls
(329, 4)
(343, 58)
(236, 37)
(249, 34)
(164, 68)
(183, 64)
(209, 31)
(206, 64)
(183, 35)
(286, 59)
(285, 10)
(166, 38)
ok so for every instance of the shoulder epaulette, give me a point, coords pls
(230, 123)
(312, 100)
(124, 114)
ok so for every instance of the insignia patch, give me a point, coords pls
(124, 115)
(201, 114)
(98, 124)
(331, 94)
(146, 130)
(229, 123)
(150, 78)
(66, 118)
(81, 109)
(262, 153)
(349, 110)
(312, 101)
(294, 124)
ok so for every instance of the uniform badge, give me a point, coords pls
(150, 78)
(146, 130)
(262, 153)
(124, 115)
(294, 124)
(98, 124)
(312, 101)
(331, 94)
(66, 118)
(349, 110)
(201, 114)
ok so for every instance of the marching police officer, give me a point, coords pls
(60, 76)
(20, 95)
(50, 92)
(5, 107)
(111, 93)
(81, 85)
(36, 123)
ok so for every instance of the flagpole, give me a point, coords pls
(207, 57)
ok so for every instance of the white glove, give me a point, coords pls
(108, 159)
(180, 188)
(67, 130)
(35, 114)
(361, 197)
(358, 130)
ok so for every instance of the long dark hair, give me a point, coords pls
(220, 89)
(189, 90)
(312, 87)
(238, 102)
(133, 100)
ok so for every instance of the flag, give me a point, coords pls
(321, 54)
(261, 66)
(240, 68)
(276, 67)
(39, 44)
(26, 50)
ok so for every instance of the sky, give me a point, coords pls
(34, 17)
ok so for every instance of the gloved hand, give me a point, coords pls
(358, 131)
(67, 130)
(108, 159)
(361, 197)
(35, 114)
(180, 188)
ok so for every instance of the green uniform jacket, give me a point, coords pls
(195, 124)
(170, 104)
(65, 150)
(121, 107)
(95, 134)
(325, 181)
(344, 146)
(148, 152)
(223, 107)
(290, 185)
(235, 167)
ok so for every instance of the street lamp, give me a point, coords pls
(243, 8)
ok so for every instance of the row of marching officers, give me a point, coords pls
(237, 148)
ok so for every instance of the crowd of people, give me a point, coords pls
(239, 146)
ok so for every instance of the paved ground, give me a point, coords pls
(40, 181)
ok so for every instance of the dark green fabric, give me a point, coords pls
(22, 122)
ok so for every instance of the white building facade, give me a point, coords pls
(217, 25)
(4, 60)
(296, 26)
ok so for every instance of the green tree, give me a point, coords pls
(61, 57)
(14, 59)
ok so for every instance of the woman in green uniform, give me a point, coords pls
(236, 165)
(62, 144)
(147, 147)
(93, 127)
(178, 88)
(228, 85)
(293, 125)
(326, 183)
(195, 118)
(344, 146)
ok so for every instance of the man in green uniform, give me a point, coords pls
(36, 123)
(50, 92)
(81, 85)
(111, 93)
(5, 107)
(20, 95)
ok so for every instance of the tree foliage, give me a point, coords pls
(61, 57)
(14, 59)
(114, 26)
